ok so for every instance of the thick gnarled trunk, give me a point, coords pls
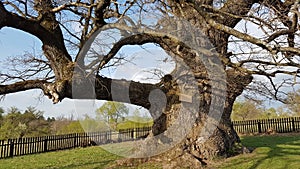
(205, 139)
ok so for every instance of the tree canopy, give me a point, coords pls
(252, 110)
(30, 123)
(257, 37)
(113, 113)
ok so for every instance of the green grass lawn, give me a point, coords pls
(270, 152)
(274, 152)
(91, 157)
(79, 158)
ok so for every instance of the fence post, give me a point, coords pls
(107, 137)
(11, 148)
(46, 144)
(259, 127)
(293, 124)
(75, 139)
(132, 133)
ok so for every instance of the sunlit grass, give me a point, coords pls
(275, 152)
(91, 157)
(282, 152)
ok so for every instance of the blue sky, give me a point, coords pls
(15, 43)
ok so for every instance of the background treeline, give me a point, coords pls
(249, 109)
(31, 122)
(15, 123)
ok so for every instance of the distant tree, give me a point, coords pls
(35, 122)
(59, 124)
(11, 127)
(283, 112)
(269, 114)
(13, 110)
(36, 113)
(90, 124)
(112, 112)
(249, 110)
(138, 117)
(30, 123)
(293, 103)
(246, 110)
(72, 127)
(1, 115)
(135, 119)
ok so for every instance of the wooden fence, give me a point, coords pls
(133, 134)
(279, 125)
(33, 145)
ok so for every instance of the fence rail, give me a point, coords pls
(279, 125)
(33, 145)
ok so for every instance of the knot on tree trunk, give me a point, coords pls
(55, 91)
(237, 82)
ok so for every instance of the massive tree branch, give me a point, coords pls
(117, 90)
(27, 25)
(247, 38)
(137, 39)
(22, 86)
(100, 88)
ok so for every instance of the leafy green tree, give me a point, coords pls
(269, 114)
(139, 119)
(8, 130)
(35, 122)
(30, 123)
(12, 127)
(59, 124)
(246, 110)
(112, 112)
(134, 120)
(94, 125)
(72, 127)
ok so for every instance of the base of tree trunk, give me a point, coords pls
(192, 152)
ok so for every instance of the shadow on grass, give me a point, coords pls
(98, 165)
(270, 152)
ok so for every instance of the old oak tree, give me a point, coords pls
(221, 48)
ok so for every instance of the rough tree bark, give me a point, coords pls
(195, 150)
(198, 147)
